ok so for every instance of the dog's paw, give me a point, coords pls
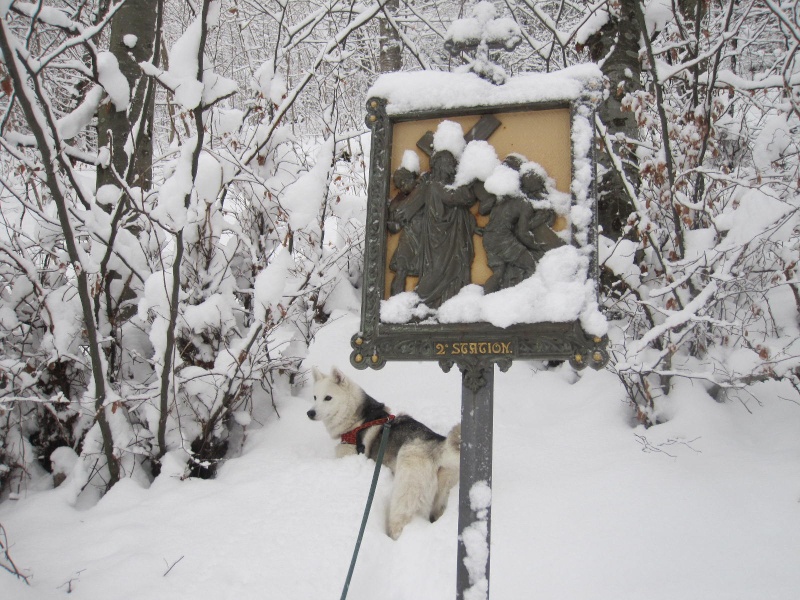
(396, 524)
(436, 513)
(394, 532)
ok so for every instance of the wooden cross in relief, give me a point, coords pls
(482, 130)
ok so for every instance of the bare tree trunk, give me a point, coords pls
(135, 37)
(139, 19)
(616, 47)
(391, 50)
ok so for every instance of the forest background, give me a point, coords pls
(183, 185)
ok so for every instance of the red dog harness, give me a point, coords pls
(351, 437)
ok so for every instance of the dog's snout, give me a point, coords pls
(312, 414)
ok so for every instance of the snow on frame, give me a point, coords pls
(408, 92)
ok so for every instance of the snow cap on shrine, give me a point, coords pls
(416, 91)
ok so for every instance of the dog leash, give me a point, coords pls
(378, 461)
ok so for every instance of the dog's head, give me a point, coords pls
(336, 401)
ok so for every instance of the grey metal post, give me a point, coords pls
(477, 390)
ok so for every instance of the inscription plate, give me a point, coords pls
(473, 348)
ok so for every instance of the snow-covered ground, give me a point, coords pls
(586, 505)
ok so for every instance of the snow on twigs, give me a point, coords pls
(778, 135)
(208, 181)
(303, 199)
(73, 124)
(592, 25)
(270, 284)
(46, 14)
(113, 81)
(269, 83)
(478, 34)
(657, 15)
(181, 77)
(171, 209)
(225, 121)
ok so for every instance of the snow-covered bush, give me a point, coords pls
(147, 319)
(705, 275)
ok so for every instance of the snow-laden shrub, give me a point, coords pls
(147, 321)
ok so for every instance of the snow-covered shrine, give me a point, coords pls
(526, 143)
(481, 245)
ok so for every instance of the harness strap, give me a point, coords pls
(351, 437)
(384, 438)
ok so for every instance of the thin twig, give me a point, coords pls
(11, 567)
(171, 566)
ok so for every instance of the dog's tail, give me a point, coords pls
(451, 454)
(454, 438)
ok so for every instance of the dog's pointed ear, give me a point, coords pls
(339, 378)
(316, 374)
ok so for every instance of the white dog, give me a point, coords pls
(425, 464)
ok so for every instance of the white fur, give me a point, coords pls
(425, 470)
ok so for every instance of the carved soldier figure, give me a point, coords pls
(406, 259)
(511, 247)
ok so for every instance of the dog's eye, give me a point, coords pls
(327, 398)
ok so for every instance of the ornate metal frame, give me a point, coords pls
(472, 346)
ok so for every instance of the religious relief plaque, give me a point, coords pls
(481, 230)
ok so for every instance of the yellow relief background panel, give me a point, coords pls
(542, 136)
